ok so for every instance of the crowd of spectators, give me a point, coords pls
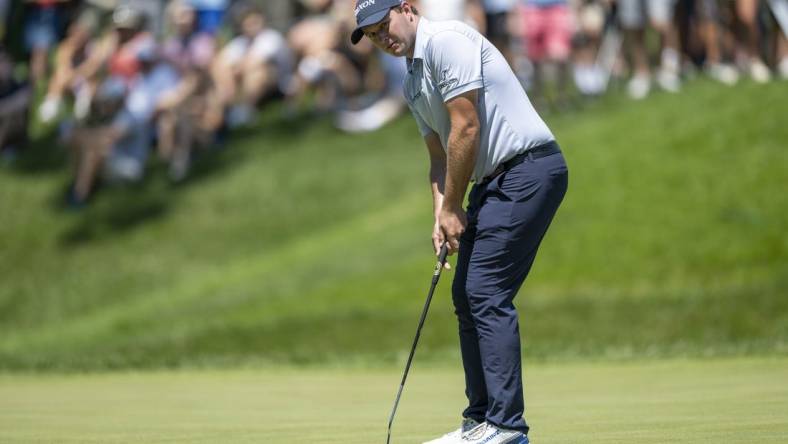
(123, 80)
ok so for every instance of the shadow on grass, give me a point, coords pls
(117, 209)
(41, 156)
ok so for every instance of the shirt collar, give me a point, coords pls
(421, 38)
(421, 41)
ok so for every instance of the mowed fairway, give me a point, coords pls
(741, 400)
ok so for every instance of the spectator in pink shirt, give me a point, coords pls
(548, 27)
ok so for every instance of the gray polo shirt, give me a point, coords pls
(451, 58)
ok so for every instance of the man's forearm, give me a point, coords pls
(437, 182)
(463, 147)
(437, 171)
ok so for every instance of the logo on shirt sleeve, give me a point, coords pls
(447, 83)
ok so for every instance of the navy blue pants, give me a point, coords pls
(507, 219)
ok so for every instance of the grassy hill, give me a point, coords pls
(299, 244)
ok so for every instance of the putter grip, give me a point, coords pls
(444, 253)
(441, 261)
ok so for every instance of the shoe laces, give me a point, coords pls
(468, 424)
(475, 433)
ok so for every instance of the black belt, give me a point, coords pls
(537, 152)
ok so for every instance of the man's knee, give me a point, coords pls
(461, 307)
(488, 302)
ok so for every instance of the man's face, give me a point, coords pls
(395, 34)
(252, 24)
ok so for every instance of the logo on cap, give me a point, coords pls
(363, 5)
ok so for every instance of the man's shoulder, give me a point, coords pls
(449, 26)
(442, 33)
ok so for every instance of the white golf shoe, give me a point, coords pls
(455, 437)
(639, 86)
(486, 433)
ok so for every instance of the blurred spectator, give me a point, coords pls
(386, 107)
(5, 7)
(116, 135)
(747, 13)
(325, 62)
(91, 141)
(129, 93)
(548, 32)
(210, 14)
(43, 19)
(71, 69)
(718, 52)
(468, 11)
(363, 87)
(127, 42)
(780, 9)
(114, 53)
(442, 9)
(153, 11)
(635, 15)
(189, 114)
(592, 60)
(254, 65)
(497, 25)
(15, 97)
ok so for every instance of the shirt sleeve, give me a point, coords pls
(456, 64)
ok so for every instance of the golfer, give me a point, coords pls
(480, 126)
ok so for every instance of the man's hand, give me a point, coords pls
(451, 223)
(437, 242)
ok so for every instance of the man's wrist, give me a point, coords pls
(451, 207)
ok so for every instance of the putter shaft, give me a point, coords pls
(435, 277)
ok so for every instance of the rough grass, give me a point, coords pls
(299, 244)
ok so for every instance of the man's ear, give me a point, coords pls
(406, 7)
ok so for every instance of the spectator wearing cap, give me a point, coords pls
(130, 40)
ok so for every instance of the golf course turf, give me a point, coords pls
(272, 297)
(741, 400)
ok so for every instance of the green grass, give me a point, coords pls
(299, 244)
(676, 401)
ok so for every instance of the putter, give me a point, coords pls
(435, 276)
